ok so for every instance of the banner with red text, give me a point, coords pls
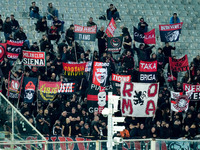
(196, 91)
(2, 51)
(148, 70)
(47, 91)
(31, 58)
(170, 32)
(139, 99)
(111, 28)
(74, 70)
(84, 33)
(14, 48)
(178, 65)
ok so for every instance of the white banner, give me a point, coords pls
(139, 99)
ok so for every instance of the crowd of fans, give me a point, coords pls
(68, 115)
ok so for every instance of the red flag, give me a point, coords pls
(111, 28)
(178, 65)
(150, 37)
(2, 50)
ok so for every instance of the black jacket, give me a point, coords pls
(20, 35)
(7, 28)
(14, 23)
(35, 9)
(143, 54)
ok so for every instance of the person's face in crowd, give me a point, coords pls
(40, 111)
(104, 55)
(96, 118)
(55, 19)
(86, 126)
(167, 125)
(159, 51)
(126, 37)
(142, 46)
(153, 129)
(46, 111)
(53, 75)
(77, 127)
(102, 28)
(91, 19)
(8, 19)
(12, 17)
(158, 123)
(68, 104)
(178, 84)
(72, 28)
(193, 126)
(82, 55)
(141, 126)
(43, 19)
(67, 120)
(25, 105)
(198, 72)
(73, 110)
(95, 53)
(175, 15)
(81, 123)
(51, 105)
(177, 117)
(30, 120)
(64, 49)
(198, 116)
(197, 57)
(33, 4)
(83, 112)
(189, 116)
(131, 126)
(128, 53)
(166, 44)
(187, 128)
(111, 7)
(64, 113)
(141, 20)
(79, 106)
(50, 5)
(160, 95)
(154, 56)
(57, 127)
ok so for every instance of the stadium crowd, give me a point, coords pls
(68, 115)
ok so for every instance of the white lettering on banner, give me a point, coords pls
(36, 62)
(121, 78)
(149, 66)
(92, 110)
(147, 77)
(139, 35)
(196, 96)
(66, 88)
(149, 36)
(194, 88)
(139, 99)
(111, 28)
(167, 27)
(96, 87)
(85, 29)
(84, 37)
(101, 64)
(33, 55)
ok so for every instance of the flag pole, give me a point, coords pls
(75, 50)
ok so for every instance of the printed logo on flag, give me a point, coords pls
(111, 28)
(85, 33)
(2, 51)
(14, 48)
(74, 70)
(115, 44)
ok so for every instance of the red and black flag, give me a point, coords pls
(101, 72)
(148, 71)
(67, 88)
(115, 44)
(84, 33)
(97, 97)
(14, 85)
(2, 51)
(29, 87)
(147, 37)
(178, 65)
(14, 48)
(170, 32)
(111, 28)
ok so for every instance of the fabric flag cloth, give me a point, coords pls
(115, 44)
(29, 86)
(147, 37)
(120, 78)
(14, 86)
(74, 70)
(139, 99)
(14, 48)
(111, 28)
(88, 66)
(148, 70)
(180, 102)
(32, 58)
(170, 32)
(67, 88)
(178, 65)
(2, 51)
(101, 72)
(84, 33)
(196, 91)
(48, 90)
(97, 97)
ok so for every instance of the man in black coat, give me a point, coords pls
(34, 11)
(20, 35)
(41, 25)
(14, 23)
(101, 41)
(69, 35)
(7, 28)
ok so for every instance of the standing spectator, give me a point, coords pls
(167, 50)
(128, 62)
(52, 11)
(124, 30)
(58, 24)
(34, 11)
(142, 132)
(127, 42)
(14, 23)
(197, 77)
(45, 44)
(41, 25)
(1, 24)
(174, 19)
(90, 22)
(66, 128)
(60, 46)
(53, 34)
(113, 13)
(69, 36)
(85, 130)
(160, 58)
(7, 28)
(101, 41)
(196, 61)
(95, 127)
(142, 25)
(34, 47)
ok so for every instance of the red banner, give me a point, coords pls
(48, 90)
(2, 51)
(14, 48)
(100, 73)
(31, 58)
(150, 37)
(74, 70)
(146, 66)
(178, 65)
(119, 78)
(111, 28)
(194, 88)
